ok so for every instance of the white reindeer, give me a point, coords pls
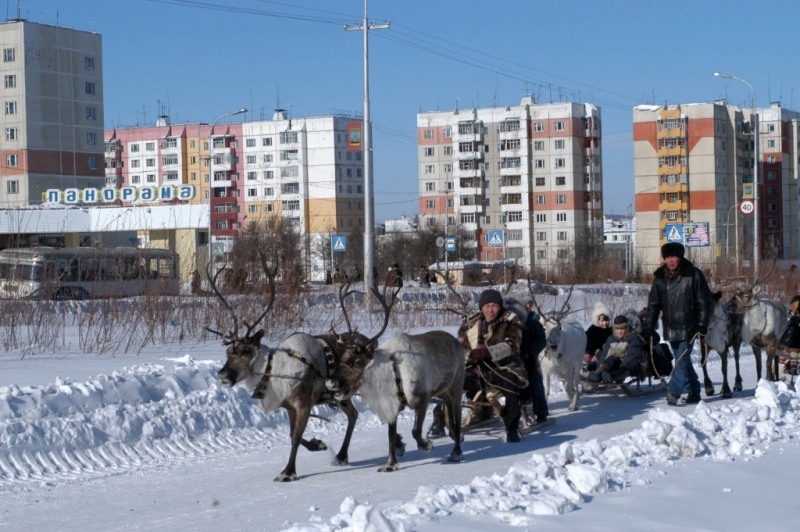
(566, 342)
(291, 376)
(763, 324)
(406, 370)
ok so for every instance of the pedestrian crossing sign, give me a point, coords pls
(674, 232)
(339, 243)
(495, 238)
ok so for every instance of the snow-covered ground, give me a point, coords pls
(151, 441)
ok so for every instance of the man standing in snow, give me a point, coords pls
(680, 295)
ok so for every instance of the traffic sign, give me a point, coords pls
(747, 207)
(496, 238)
(674, 232)
(450, 244)
(339, 243)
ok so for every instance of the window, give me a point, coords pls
(561, 180)
(266, 158)
(563, 254)
(91, 138)
(430, 169)
(12, 160)
(135, 163)
(136, 179)
(771, 143)
(447, 133)
(559, 144)
(9, 55)
(430, 204)
(538, 145)
(541, 236)
(268, 174)
(561, 217)
(89, 87)
(252, 192)
(430, 186)
(448, 150)
(88, 63)
(288, 137)
(10, 81)
(561, 198)
(251, 176)
(151, 178)
(11, 108)
(467, 217)
(171, 176)
(561, 162)
(250, 159)
(289, 155)
(151, 162)
(541, 218)
(429, 152)
(514, 216)
(561, 235)
(541, 199)
(428, 134)
(290, 188)
(290, 171)
(12, 187)
(11, 133)
(290, 205)
(269, 191)
(538, 127)
(134, 148)
(539, 181)
(559, 126)
(538, 163)
(91, 163)
(448, 168)
(515, 234)
(250, 143)
(266, 141)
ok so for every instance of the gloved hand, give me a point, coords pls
(477, 355)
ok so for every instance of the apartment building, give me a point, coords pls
(52, 111)
(693, 168)
(521, 182)
(308, 171)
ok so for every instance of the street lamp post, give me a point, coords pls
(211, 176)
(756, 152)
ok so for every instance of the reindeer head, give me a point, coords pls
(240, 353)
(241, 350)
(551, 321)
(356, 349)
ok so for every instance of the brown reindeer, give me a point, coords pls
(291, 375)
(407, 370)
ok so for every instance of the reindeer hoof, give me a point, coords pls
(286, 477)
(388, 468)
(340, 460)
(425, 445)
(709, 391)
(454, 457)
(316, 445)
(727, 395)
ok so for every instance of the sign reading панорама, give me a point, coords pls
(74, 196)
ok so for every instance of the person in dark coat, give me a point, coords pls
(596, 335)
(680, 296)
(622, 356)
(790, 341)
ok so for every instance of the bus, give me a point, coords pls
(87, 273)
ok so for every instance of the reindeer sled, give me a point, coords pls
(653, 376)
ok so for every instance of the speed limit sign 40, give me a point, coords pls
(746, 207)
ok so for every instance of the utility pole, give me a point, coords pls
(369, 197)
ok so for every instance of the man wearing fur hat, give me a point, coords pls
(680, 296)
(622, 355)
(492, 339)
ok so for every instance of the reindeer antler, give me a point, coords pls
(387, 307)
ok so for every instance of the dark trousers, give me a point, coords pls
(477, 378)
(534, 392)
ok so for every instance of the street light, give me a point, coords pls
(754, 113)
(211, 175)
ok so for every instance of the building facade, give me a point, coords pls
(694, 166)
(52, 111)
(307, 171)
(524, 182)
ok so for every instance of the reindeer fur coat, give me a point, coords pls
(502, 337)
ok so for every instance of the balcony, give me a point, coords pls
(476, 173)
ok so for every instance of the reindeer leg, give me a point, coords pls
(709, 386)
(726, 391)
(391, 462)
(352, 414)
(737, 383)
(420, 409)
(453, 413)
(298, 419)
(757, 353)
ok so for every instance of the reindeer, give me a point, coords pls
(763, 324)
(291, 375)
(724, 332)
(406, 370)
(566, 342)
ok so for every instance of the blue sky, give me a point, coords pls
(198, 59)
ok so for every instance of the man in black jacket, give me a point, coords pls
(680, 295)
